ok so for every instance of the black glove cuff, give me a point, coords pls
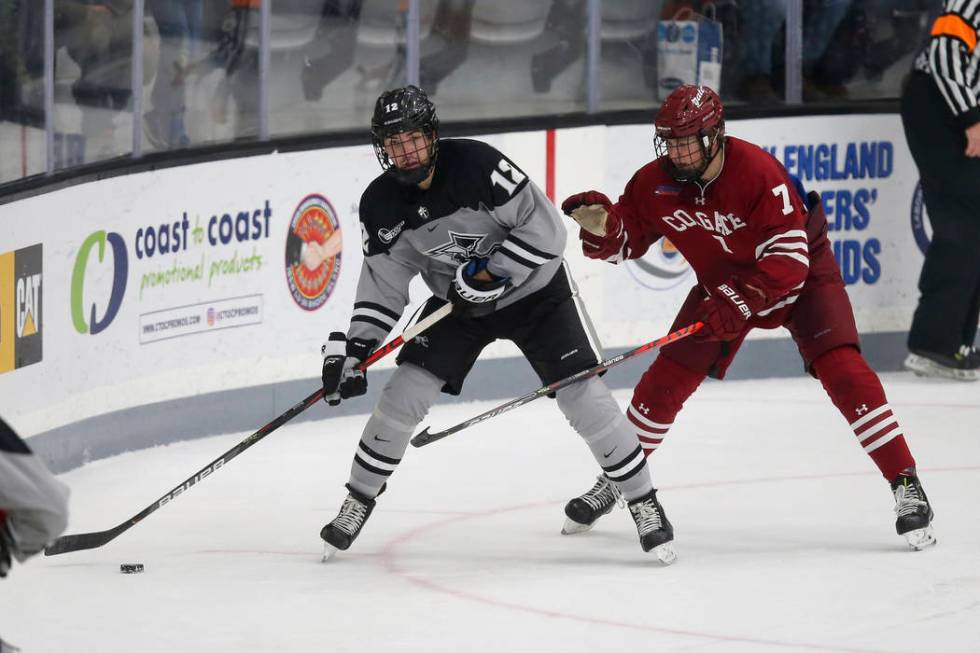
(361, 348)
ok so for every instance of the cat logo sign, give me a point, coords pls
(20, 308)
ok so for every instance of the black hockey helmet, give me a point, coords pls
(403, 110)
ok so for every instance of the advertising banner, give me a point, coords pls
(20, 308)
(176, 282)
(229, 274)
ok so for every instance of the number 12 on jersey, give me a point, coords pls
(511, 181)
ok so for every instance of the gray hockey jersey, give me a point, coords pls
(479, 204)
(34, 504)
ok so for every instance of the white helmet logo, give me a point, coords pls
(697, 98)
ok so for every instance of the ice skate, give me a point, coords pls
(961, 366)
(582, 512)
(914, 514)
(656, 533)
(339, 534)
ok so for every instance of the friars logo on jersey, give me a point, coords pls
(661, 268)
(313, 246)
(20, 308)
(461, 248)
(921, 228)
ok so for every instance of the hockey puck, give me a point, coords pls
(132, 568)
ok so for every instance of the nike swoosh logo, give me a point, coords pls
(432, 228)
(380, 439)
(611, 452)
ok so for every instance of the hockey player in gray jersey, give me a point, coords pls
(485, 238)
(33, 503)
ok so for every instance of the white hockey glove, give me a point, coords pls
(341, 377)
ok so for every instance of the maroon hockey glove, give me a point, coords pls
(588, 198)
(590, 210)
(603, 247)
(594, 245)
(725, 312)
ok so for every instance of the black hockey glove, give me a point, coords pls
(341, 377)
(472, 297)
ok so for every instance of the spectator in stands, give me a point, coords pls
(894, 29)
(452, 23)
(12, 74)
(240, 62)
(762, 21)
(179, 24)
(565, 22)
(98, 36)
(331, 51)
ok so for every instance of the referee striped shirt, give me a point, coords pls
(952, 58)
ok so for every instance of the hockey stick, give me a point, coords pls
(426, 437)
(81, 541)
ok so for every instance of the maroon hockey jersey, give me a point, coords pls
(749, 222)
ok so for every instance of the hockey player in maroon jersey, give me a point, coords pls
(762, 260)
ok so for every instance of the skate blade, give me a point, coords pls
(665, 553)
(921, 538)
(923, 367)
(572, 527)
(328, 552)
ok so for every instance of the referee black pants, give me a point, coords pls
(949, 285)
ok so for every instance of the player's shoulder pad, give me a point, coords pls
(381, 215)
(481, 174)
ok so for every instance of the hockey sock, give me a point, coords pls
(595, 415)
(856, 391)
(404, 402)
(657, 399)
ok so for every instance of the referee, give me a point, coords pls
(941, 116)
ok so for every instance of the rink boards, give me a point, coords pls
(174, 288)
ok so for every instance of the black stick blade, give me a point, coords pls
(79, 542)
(425, 437)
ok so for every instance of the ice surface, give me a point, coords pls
(785, 537)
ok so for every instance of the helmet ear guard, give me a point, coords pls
(399, 111)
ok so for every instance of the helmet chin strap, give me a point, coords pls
(410, 176)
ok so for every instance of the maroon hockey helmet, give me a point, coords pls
(688, 111)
